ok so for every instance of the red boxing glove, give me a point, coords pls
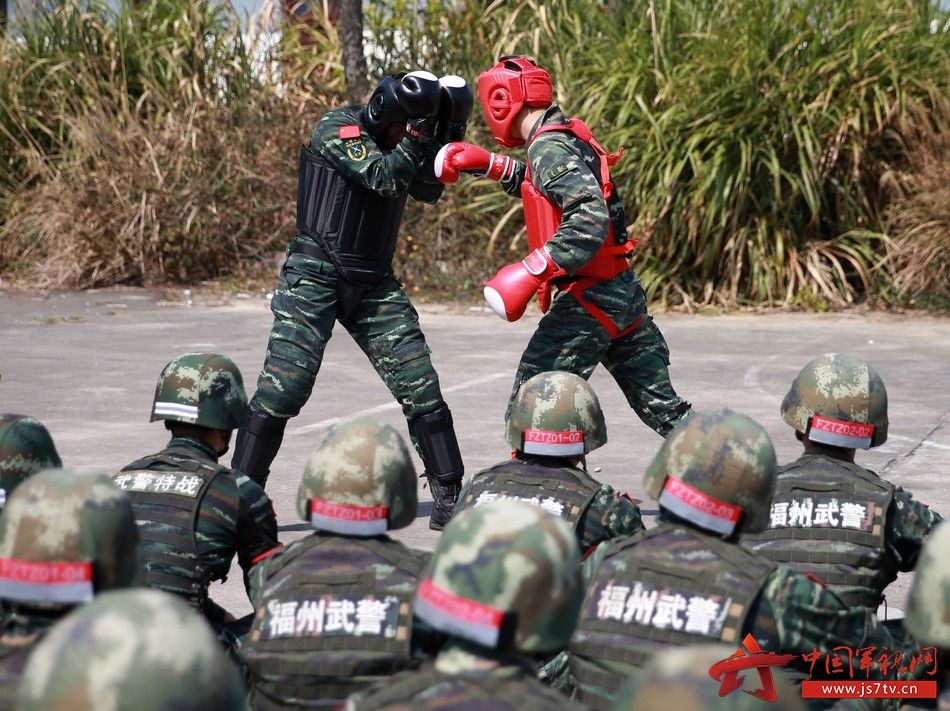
(510, 290)
(455, 158)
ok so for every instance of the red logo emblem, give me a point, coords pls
(749, 656)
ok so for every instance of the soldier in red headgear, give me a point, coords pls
(578, 240)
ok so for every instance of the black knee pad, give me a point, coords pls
(438, 445)
(257, 444)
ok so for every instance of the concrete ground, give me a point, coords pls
(86, 363)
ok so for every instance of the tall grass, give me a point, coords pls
(776, 151)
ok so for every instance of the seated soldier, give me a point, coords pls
(65, 536)
(333, 612)
(689, 581)
(504, 584)
(135, 649)
(193, 513)
(831, 517)
(556, 420)
(25, 448)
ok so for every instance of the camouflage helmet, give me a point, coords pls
(838, 400)
(359, 480)
(140, 649)
(201, 389)
(25, 448)
(556, 414)
(717, 470)
(65, 536)
(505, 575)
(679, 678)
(928, 607)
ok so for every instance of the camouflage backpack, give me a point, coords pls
(201, 389)
(556, 414)
(717, 470)
(25, 448)
(928, 608)
(359, 481)
(838, 400)
(65, 536)
(504, 576)
(131, 649)
(680, 679)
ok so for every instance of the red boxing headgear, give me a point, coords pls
(506, 88)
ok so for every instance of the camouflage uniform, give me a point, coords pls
(504, 582)
(25, 448)
(194, 514)
(568, 337)
(831, 517)
(134, 649)
(359, 483)
(687, 581)
(315, 290)
(679, 679)
(556, 420)
(58, 524)
(928, 613)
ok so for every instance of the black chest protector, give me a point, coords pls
(563, 491)
(829, 518)
(669, 586)
(167, 490)
(355, 226)
(335, 617)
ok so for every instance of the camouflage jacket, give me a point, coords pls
(252, 534)
(610, 514)
(565, 170)
(464, 676)
(408, 167)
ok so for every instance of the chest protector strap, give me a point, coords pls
(669, 586)
(543, 218)
(355, 226)
(167, 502)
(330, 622)
(564, 491)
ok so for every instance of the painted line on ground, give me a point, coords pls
(393, 405)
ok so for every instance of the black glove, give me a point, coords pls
(418, 94)
(455, 106)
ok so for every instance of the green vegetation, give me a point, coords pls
(776, 152)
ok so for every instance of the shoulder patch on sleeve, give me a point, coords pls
(351, 131)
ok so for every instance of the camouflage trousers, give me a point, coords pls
(384, 325)
(569, 338)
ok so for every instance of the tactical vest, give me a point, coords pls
(329, 624)
(167, 503)
(521, 692)
(355, 226)
(829, 518)
(563, 491)
(543, 218)
(669, 586)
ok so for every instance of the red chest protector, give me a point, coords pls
(543, 218)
